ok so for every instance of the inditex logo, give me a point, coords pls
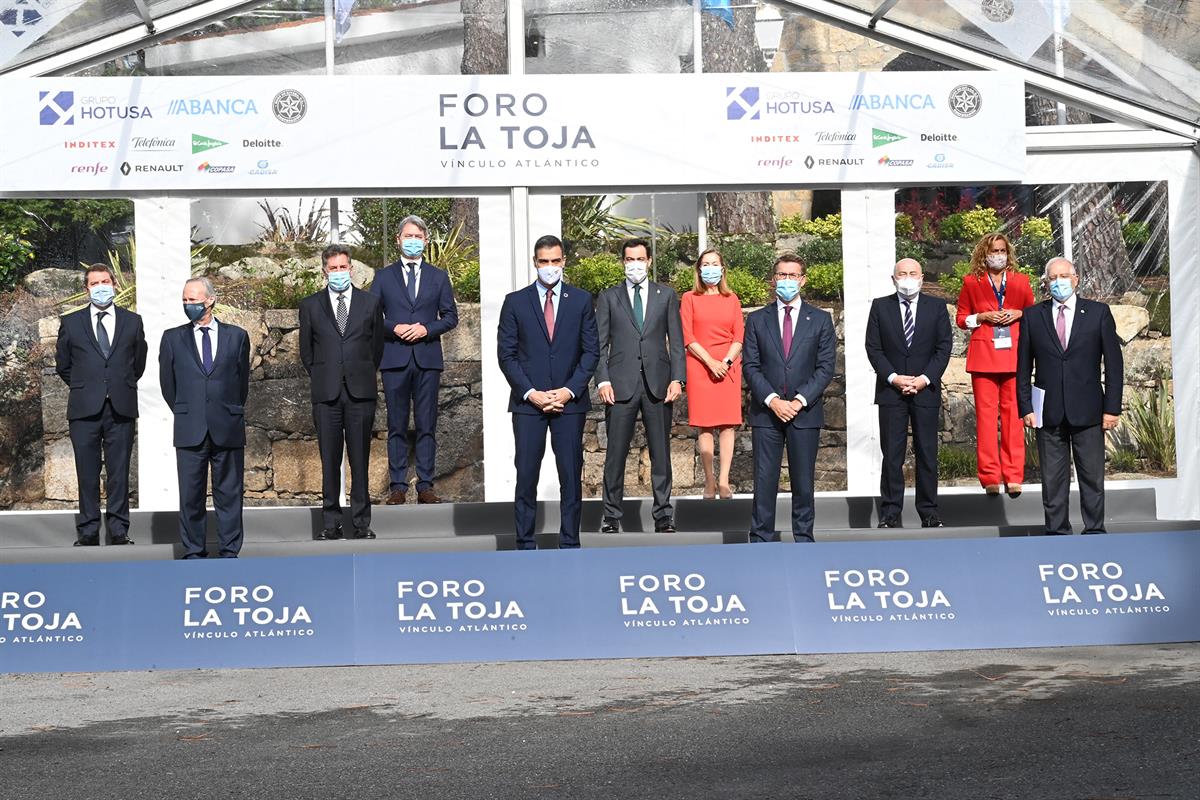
(202, 143)
(103, 144)
(881, 138)
(57, 108)
(743, 103)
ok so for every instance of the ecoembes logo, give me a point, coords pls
(881, 138)
(202, 143)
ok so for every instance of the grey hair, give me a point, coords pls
(1055, 260)
(209, 291)
(413, 219)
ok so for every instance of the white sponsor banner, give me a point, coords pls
(272, 133)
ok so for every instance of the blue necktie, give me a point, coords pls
(206, 358)
(412, 284)
(908, 324)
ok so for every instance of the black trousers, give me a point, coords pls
(345, 423)
(227, 464)
(620, 419)
(769, 443)
(110, 435)
(566, 440)
(893, 442)
(1056, 446)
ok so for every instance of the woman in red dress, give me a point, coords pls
(991, 305)
(712, 333)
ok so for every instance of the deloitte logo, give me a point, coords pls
(202, 143)
(881, 138)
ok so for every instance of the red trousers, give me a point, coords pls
(1002, 459)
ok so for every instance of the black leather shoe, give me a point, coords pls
(664, 525)
(890, 522)
(329, 534)
(364, 533)
(932, 521)
(119, 540)
(87, 541)
(610, 526)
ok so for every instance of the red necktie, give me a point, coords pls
(1061, 326)
(549, 311)
(787, 330)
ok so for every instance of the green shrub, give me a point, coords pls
(1135, 234)
(671, 248)
(683, 280)
(1150, 420)
(15, 255)
(1123, 459)
(278, 293)
(820, 251)
(793, 223)
(1037, 228)
(908, 248)
(824, 281)
(1035, 245)
(465, 282)
(956, 461)
(826, 227)
(750, 289)
(904, 226)
(752, 255)
(970, 226)
(596, 273)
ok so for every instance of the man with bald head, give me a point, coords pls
(908, 345)
(1063, 342)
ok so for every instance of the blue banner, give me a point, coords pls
(604, 603)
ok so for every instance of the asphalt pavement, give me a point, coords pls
(1099, 723)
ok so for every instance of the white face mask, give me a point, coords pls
(996, 261)
(549, 276)
(909, 287)
(635, 271)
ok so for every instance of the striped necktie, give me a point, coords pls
(908, 323)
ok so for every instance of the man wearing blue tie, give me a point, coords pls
(548, 348)
(418, 309)
(204, 374)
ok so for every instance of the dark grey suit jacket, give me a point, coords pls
(626, 352)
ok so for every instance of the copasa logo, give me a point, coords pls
(212, 107)
(882, 138)
(63, 108)
(888, 161)
(743, 103)
(892, 102)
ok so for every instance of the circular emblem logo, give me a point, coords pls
(997, 10)
(289, 106)
(965, 100)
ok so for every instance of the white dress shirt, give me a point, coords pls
(779, 311)
(109, 322)
(912, 301)
(1069, 305)
(333, 298)
(199, 337)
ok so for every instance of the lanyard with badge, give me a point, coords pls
(1001, 334)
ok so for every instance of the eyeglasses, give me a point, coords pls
(788, 276)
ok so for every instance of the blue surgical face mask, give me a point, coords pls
(1061, 289)
(412, 247)
(711, 275)
(102, 295)
(786, 289)
(194, 311)
(339, 280)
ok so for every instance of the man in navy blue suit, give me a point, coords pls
(204, 373)
(548, 348)
(418, 309)
(100, 355)
(788, 360)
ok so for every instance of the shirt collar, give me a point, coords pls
(1069, 303)
(795, 304)
(630, 284)
(212, 325)
(334, 293)
(110, 310)
(542, 289)
(912, 300)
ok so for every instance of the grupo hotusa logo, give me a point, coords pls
(215, 169)
(212, 107)
(677, 601)
(202, 143)
(883, 595)
(152, 144)
(128, 168)
(263, 167)
(754, 102)
(1088, 589)
(289, 106)
(66, 107)
(965, 100)
(882, 138)
(888, 161)
(242, 612)
(455, 606)
(27, 618)
(898, 101)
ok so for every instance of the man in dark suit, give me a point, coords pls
(548, 348)
(641, 368)
(1064, 340)
(788, 360)
(341, 342)
(100, 355)
(908, 345)
(204, 372)
(418, 309)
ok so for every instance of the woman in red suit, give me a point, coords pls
(712, 333)
(991, 305)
